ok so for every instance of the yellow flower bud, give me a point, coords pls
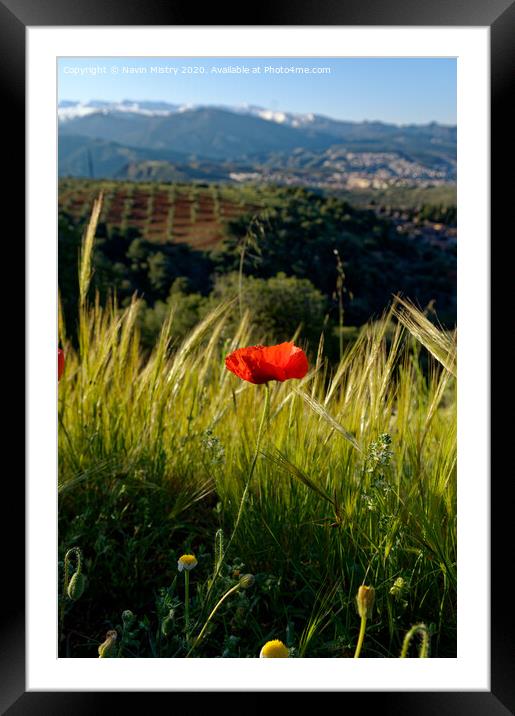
(274, 649)
(106, 649)
(365, 601)
(247, 581)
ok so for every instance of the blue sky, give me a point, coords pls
(397, 90)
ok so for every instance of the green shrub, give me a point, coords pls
(277, 305)
(187, 308)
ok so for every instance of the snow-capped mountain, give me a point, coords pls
(290, 119)
(244, 135)
(68, 110)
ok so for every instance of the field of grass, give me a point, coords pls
(314, 487)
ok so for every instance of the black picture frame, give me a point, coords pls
(499, 16)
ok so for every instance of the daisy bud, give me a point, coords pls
(106, 649)
(186, 562)
(365, 601)
(274, 649)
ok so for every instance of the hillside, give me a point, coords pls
(160, 213)
(151, 235)
(232, 145)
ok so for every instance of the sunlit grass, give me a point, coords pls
(332, 504)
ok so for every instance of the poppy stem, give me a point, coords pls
(254, 461)
(264, 416)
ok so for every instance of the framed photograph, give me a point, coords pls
(262, 250)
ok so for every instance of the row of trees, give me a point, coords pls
(307, 259)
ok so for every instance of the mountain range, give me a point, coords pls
(110, 139)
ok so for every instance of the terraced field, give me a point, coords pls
(162, 213)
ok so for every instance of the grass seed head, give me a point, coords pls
(398, 588)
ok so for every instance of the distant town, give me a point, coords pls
(338, 168)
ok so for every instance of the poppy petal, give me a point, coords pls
(259, 364)
(60, 363)
(298, 364)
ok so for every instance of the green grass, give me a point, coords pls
(354, 483)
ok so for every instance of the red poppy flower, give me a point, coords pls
(60, 363)
(259, 364)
